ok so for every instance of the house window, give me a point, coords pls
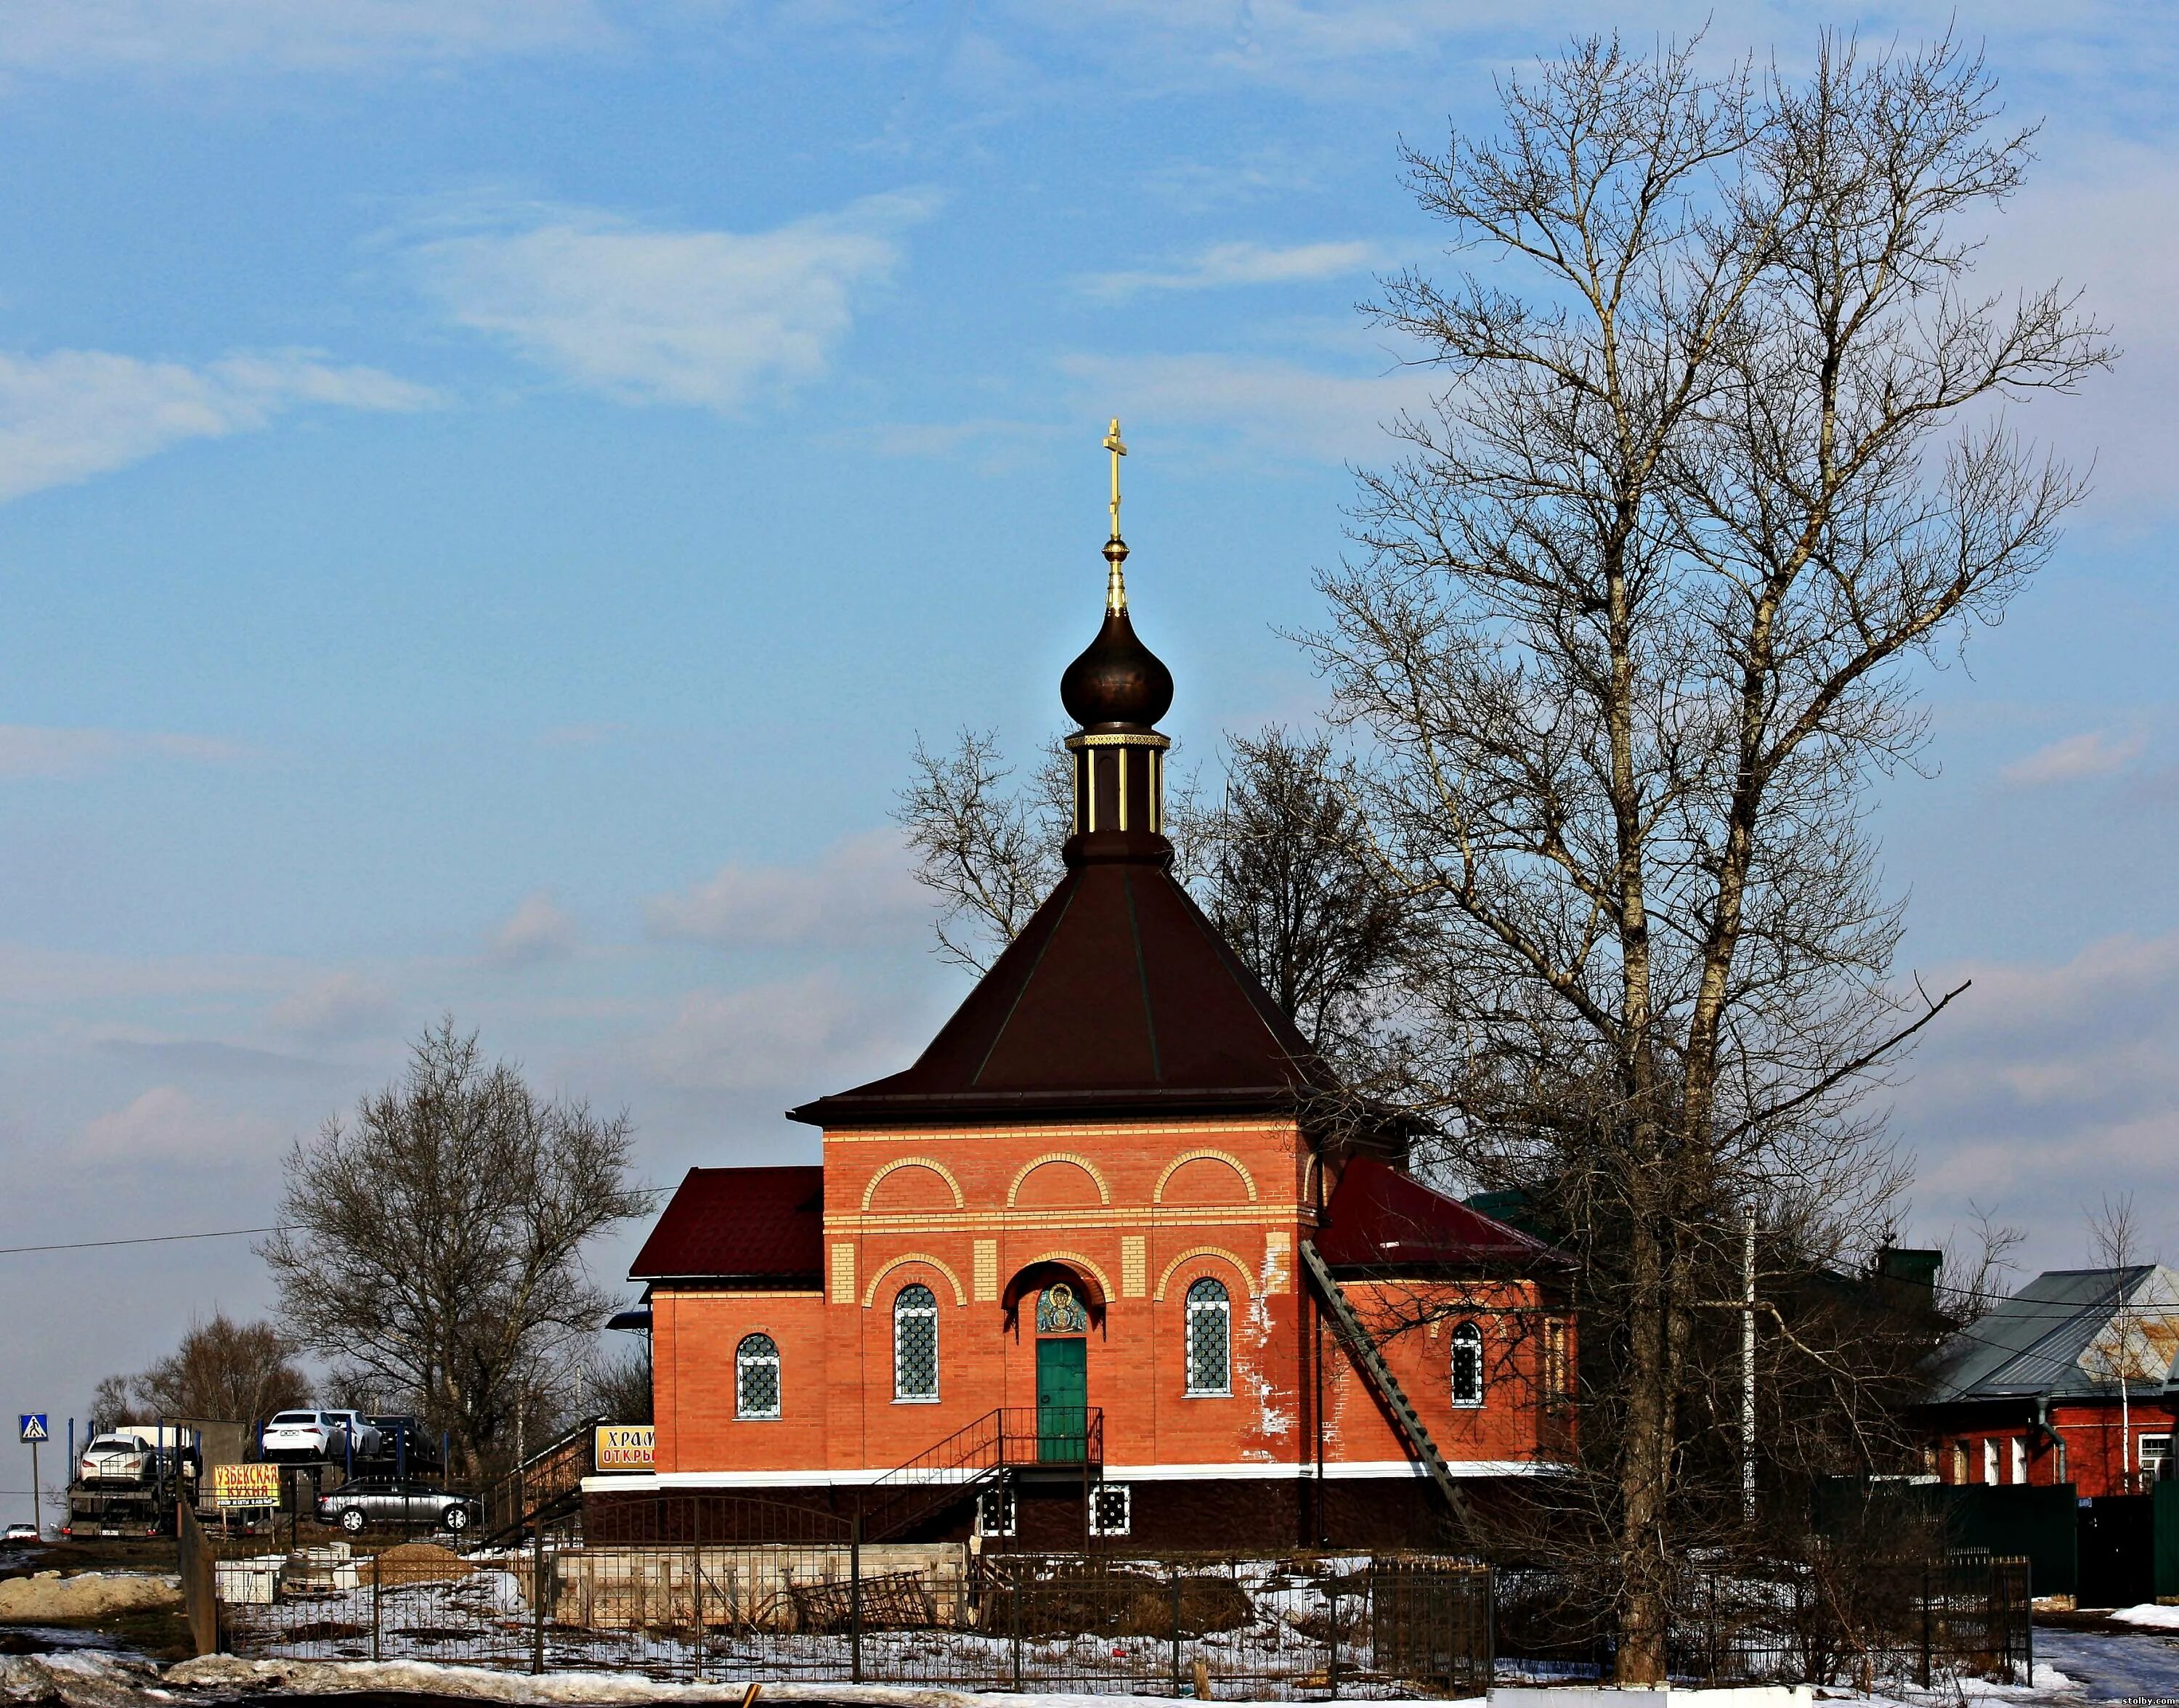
(1556, 1383)
(915, 1343)
(1989, 1459)
(756, 1377)
(1468, 1365)
(995, 1511)
(2019, 1445)
(1959, 1461)
(1210, 1339)
(1111, 1509)
(2155, 1458)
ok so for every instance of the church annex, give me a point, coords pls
(1091, 1266)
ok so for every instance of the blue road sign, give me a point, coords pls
(33, 1425)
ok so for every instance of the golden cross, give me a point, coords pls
(1115, 549)
(1113, 444)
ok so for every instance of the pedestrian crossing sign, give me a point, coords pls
(33, 1425)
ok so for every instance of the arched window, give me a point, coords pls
(756, 1377)
(1468, 1365)
(1210, 1337)
(915, 1343)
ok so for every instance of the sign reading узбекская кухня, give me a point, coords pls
(624, 1446)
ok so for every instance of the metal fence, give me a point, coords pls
(1917, 1622)
(932, 1613)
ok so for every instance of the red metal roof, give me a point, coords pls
(1379, 1219)
(734, 1223)
(1119, 997)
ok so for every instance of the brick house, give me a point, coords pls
(1091, 1260)
(2032, 1392)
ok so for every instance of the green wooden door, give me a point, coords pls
(1063, 1400)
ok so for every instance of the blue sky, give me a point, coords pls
(491, 488)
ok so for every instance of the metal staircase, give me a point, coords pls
(1070, 1442)
(1364, 1349)
(546, 1486)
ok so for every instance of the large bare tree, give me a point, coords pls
(433, 1246)
(1721, 456)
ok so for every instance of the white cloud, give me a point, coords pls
(797, 1036)
(338, 1005)
(2047, 1085)
(706, 319)
(36, 750)
(2094, 754)
(538, 929)
(1276, 407)
(1224, 265)
(859, 891)
(316, 35)
(166, 1125)
(72, 414)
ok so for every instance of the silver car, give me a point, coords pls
(385, 1500)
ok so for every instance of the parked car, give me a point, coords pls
(385, 1500)
(20, 1533)
(119, 1458)
(305, 1435)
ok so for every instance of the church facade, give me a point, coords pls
(1098, 1264)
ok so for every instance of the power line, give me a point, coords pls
(141, 1240)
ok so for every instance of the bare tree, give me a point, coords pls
(240, 1371)
(990, 852)
(2133, 1347)
(620, 1385)
(435, 1244)
(1626, 631)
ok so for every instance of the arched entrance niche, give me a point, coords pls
(1058, 1307)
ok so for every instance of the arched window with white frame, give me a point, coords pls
(915, 1343)
(756, 1377)
(1468, 1365)
(1210, 1337)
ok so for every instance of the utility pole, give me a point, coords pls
(1748, 1364)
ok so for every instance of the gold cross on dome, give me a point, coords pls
(1113, 444)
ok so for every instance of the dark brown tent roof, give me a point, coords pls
(739, 1224)
(1119, 997)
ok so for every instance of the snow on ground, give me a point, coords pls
(2147, 1613)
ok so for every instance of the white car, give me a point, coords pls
(319, 1435)
(20, 1533)
(117, 1457)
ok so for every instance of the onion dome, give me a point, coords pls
(1117, 680)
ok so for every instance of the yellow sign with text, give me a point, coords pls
(245, 1485)
(625, 1446)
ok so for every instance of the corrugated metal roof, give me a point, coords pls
(2054, 1336)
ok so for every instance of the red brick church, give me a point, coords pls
(1095, 1264)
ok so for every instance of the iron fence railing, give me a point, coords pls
(924, 1613)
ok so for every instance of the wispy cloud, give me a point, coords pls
(70, 414)
(538, 929)
(860, 885)
(795, 1035)
(310, 34)
(334, 1004)
(1273, 406)
(38, 750)
(707, 319)
(2092, 754)
(166, 1125)
(1222, 265)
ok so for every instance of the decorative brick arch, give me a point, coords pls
(1180, 1161)
(937, 1168)
(870, 1292)
(1096, 1174)
(1248, 1280)
(1073, 1260)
